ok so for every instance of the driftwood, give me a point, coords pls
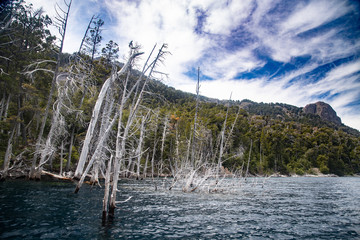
(17, 173)
(57, 176)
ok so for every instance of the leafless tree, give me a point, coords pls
(123, 131)
(61, 24)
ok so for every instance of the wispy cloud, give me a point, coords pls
(225, 16)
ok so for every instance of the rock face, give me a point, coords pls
(324, 110)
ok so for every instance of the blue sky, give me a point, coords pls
(294, 52)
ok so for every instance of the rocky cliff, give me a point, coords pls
(324, 110)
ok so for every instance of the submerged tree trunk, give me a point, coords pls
(107, 189)
(133, 110)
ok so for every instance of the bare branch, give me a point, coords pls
(117, 202)
(29, 73)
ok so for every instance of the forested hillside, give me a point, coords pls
(284, 138)
(49, 102)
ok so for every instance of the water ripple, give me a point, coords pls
(282, 208)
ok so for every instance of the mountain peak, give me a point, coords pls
(324, 110)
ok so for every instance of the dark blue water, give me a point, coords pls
(282, 208)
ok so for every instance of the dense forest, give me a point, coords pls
(84, 113)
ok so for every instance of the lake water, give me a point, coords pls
(278, 208)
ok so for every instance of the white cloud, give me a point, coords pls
(147, 23)
(313, 14)
(224, 16)
(227, 64)
(280, 35)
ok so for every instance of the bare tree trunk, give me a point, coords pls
(248, 163)
(232, 128)
(152, 166)
(154, 146)
(67, 168)
(105, 121)
(166, 121)
(97, 151)
(177, 143)
(146, 165)
(107, 189)
(8, 153)
(4, 110)
(61, 158)
(131, 166)
(95, 172)
(188, 151)
(195, 121)
(91, 127)
(219, 165)
(7, 107)
(139, 148)
(87, 30)
(4, 107)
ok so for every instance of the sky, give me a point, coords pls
(294, 52)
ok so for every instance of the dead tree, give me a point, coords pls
(8, 154)
(219, 164)
(139, 150)
(85, 35)
(128, 92)
(97, 152)
(122, 135)
(154, 144)
(4, 107)
(195, 121)
(96, 113)
(92, 37)
(66, 87)
(107, 189)
(166, 121)
(61, 24)
(248, 163)
(82, 73)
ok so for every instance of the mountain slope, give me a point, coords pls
(318, 114)
(283, 138)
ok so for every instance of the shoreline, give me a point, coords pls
(50, 176)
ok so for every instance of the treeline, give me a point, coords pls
(269, 144)
(158, 133)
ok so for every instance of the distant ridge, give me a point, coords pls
(317, 114)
